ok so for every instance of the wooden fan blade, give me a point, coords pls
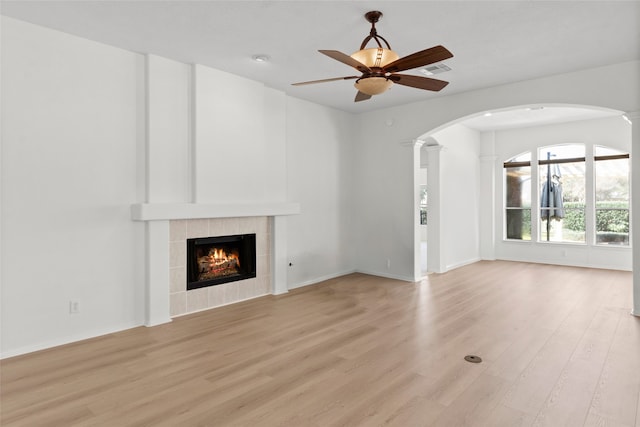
(361, 96)
(324, 80)
(346, 59)
(425, 83)
(419, 59)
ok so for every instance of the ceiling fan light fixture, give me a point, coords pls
(380, 67)
(373, 85)
(375, 57)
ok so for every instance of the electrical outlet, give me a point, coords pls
(74, 307)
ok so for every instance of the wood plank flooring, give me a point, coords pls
(558, 344)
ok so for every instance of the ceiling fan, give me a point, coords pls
(379, 65)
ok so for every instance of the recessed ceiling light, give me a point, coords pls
(261, 58)
(488, 114)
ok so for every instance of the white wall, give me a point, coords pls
(460, 196)
(384, 197)
(319, 176)
(70, 146)
(232, 153)
(89, 130)
(169, 137)
(613, 132)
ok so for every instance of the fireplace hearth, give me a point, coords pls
(221, 259)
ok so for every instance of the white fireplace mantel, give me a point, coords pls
(169, 211)
(157, 217)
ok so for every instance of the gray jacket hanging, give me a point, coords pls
(551, 198)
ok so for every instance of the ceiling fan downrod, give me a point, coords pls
(373, 17)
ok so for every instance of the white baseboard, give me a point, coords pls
(462, 264)
(387, 275)
(320, 279)
(65, 340)
(157, 321)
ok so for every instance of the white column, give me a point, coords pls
(635, 207)
(487, 189)
(487, 233)
(167, 166)
(435, 242)
(157, 273)
(279, 262)
(417, 270)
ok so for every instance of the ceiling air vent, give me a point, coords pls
(434, 69)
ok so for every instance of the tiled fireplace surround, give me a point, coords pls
(169, 225)
(183, 301)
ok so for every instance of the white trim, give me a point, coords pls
(634, 116)
(168, 211)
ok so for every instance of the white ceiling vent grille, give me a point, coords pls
(435, 69)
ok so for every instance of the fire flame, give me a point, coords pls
(218, 256)
(217, 262)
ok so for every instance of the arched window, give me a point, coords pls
(580, 198)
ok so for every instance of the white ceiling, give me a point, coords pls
(493, 42)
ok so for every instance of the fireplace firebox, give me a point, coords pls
(216, 260)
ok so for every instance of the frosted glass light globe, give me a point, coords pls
(373, 85)
(375, 57)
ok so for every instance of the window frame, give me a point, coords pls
(590, 202)
(505, 226)
(584, 159)
(622, 155)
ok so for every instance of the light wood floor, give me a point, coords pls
(559, 347)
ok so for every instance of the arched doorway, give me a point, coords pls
(462, 154)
